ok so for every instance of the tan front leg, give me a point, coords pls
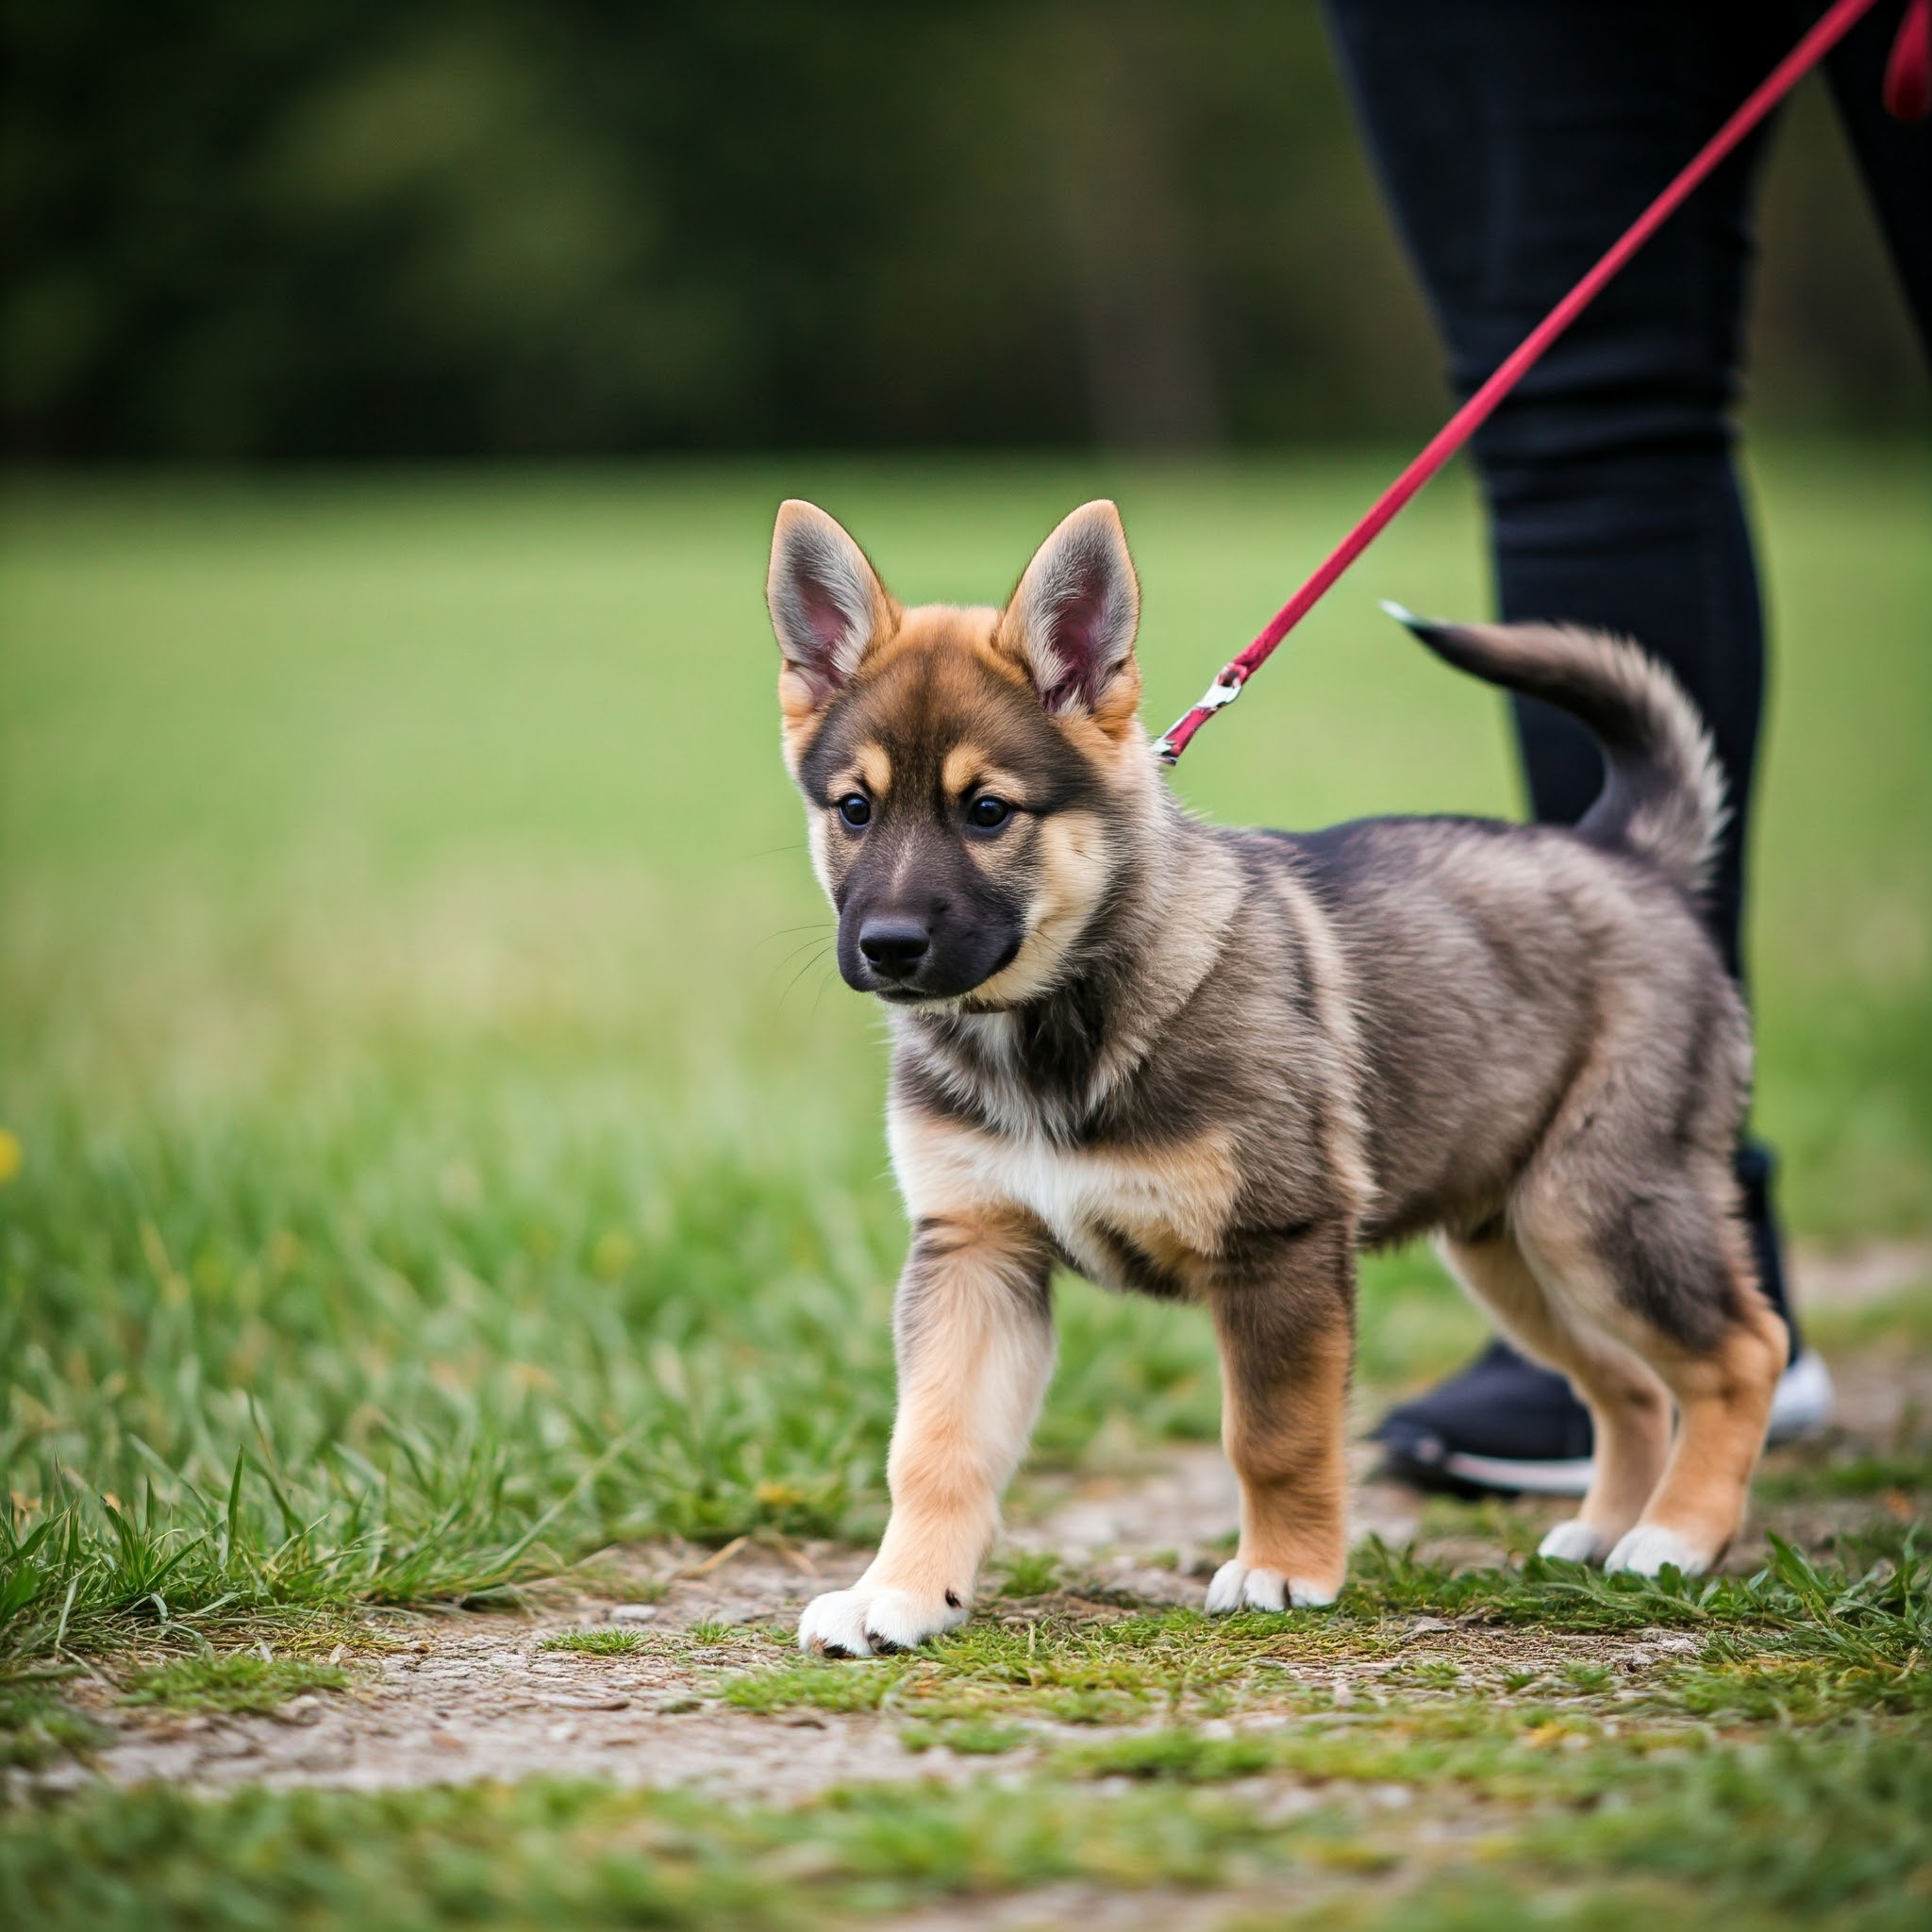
(975, 1337)
(1287, 1340)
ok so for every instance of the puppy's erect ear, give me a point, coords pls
(827, 606)
(1073, 618)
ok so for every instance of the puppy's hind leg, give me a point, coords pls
(1668, 1272)
(1629, 1411)
(1725, 1383)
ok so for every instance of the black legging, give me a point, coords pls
(1515, 139)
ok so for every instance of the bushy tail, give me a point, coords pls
(1665, 793)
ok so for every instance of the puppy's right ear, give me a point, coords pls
(827, 606)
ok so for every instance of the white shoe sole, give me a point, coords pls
(1803, 1401)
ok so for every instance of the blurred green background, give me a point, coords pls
(458, 227)
(428, 1108)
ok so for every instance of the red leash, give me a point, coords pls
(1908, 85)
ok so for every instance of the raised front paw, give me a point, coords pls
(875, 1623)
(1240, 1586)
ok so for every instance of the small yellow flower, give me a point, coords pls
(11, 1154)
(777, 1495)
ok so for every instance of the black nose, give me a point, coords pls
(894, 947)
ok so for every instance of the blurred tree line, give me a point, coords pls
(255, 228)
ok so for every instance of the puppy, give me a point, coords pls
(1213, 1064)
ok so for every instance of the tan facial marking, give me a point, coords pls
(875, 769)
(968, 769)
(1075, 869)
(961, 770)
(870, 769)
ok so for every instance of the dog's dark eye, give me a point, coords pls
(983, 814)
(856, 809)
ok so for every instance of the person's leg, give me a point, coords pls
(1894, 157)
(1613, 493)
(1643, 529)
(1515, 141)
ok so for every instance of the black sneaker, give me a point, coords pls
(1509, 1424)
(1503, 1424)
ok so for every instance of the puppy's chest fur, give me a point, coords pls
(971, 1134)
(1156, 1121)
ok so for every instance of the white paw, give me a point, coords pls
(1650, 1546)
(1574, 1541)
(1238, 1588)
(873, 1622)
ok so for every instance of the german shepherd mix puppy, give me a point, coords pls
(1214, 1064)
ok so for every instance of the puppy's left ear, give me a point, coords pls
(1072, 621)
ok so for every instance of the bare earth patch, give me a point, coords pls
(454, 1697)
(465, 1696)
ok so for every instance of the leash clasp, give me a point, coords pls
(1226, 687)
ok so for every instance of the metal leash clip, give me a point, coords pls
(1226, 687)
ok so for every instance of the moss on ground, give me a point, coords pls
(600, 1642)
(37, 1725)
(242, 1681)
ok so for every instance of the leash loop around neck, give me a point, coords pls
(1906, 88)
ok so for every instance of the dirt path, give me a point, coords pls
(452, 1697)
(462, 1696)
(457, 1697)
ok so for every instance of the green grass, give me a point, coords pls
(433, 1147)
(1825, 1834)
(1797, 1639)
(1777, 1774)
(1028, 1573)
(593, 1642)
(37, 1725)
(239, 1682)
(1900, 1321)
(586, 1856)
